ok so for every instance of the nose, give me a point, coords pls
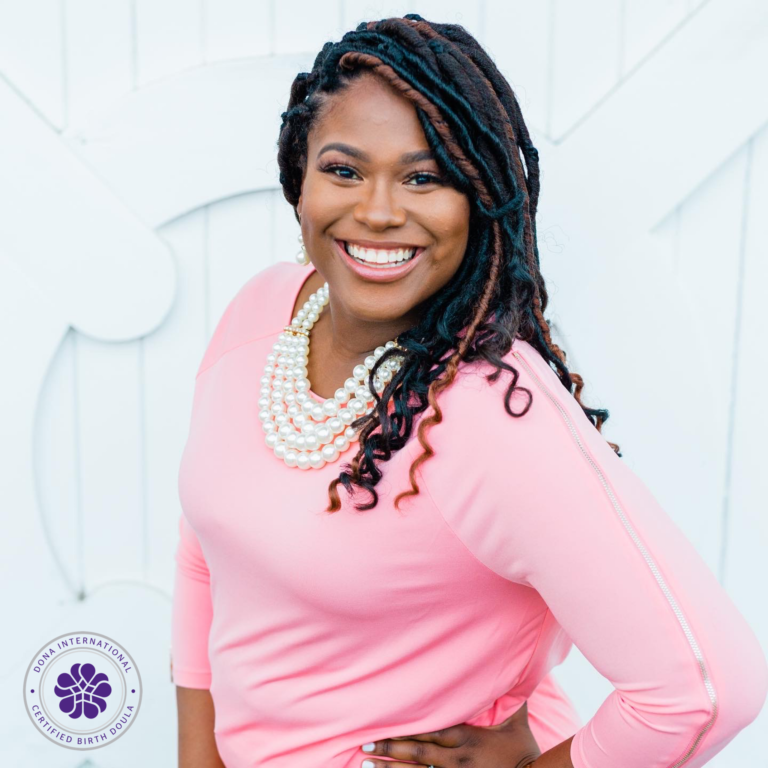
(378, 207)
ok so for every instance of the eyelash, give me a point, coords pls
(335, 166)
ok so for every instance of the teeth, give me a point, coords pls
(371, 256)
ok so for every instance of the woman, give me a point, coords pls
(483, 524)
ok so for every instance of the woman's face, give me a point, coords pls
(360, 189)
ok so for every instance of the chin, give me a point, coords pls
(366, 316)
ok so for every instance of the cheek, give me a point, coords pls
(461, 215)
(321, 199)
(452, 210)
(451, 227)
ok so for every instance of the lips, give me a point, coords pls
(374, 274)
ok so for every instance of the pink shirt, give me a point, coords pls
(318, 632)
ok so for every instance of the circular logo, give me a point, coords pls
(82, 690)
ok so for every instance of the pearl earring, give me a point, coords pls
(302, 257)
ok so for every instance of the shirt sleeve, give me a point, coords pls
(192, 605)
(192, 613)
(544, 501)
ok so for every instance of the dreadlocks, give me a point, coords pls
(472, 122)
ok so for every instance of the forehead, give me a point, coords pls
(370, 114)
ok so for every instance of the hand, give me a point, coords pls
(509, 744)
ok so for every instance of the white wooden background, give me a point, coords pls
(139, 190)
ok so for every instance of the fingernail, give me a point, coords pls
(368, 747)
(367, 764)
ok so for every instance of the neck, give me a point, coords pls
(339, 342)
(351, 339)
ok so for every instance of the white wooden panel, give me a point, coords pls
(746, 566)
(56, 465)
(98, 55)
(238, 28)
(663, 118)
(585, 58)
(31, 39)
(30, 332)
(110, 275)
(584, 186)
(169, 38)
(110, 451)
(708, 265)
(667, 233)
(34, 595)
(619, 336)
(320, 22)
(468, 15)
(239, 244)
(354, 13)
(645, 24)
(516, 35)
(171, 357)
(285, 229)
(181, 133)
(709, 244)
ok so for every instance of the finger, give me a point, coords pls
(453, 736)
(372, 763)
(419, 752)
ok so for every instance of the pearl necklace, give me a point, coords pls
(302, 432)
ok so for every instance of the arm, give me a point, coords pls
(197, 745)
(557, 757)
(548, 504)
(193, 610)
(191, 671)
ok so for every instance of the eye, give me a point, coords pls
(334, 168)
(431, 178)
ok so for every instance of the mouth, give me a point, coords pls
(380, 259)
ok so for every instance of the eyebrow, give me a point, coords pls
(347, 149)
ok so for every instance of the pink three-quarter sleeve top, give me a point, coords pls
(318, 632)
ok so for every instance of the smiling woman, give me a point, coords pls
(421, 627)
(379, 196)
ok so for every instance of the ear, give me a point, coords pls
(298, 205)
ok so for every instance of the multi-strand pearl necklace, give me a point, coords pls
(301, 431)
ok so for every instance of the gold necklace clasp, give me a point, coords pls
(296, 331)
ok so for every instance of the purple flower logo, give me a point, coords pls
(82, 691)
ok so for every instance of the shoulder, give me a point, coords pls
(487, 462)
(259, 308)
(547, 417)
(526, 369)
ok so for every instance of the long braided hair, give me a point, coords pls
(472, 122)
